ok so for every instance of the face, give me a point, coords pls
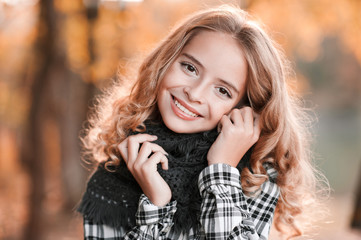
(204, 83)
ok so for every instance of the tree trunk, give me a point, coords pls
(71, 114)
(32, 147)
(74, 105)
(356, 219)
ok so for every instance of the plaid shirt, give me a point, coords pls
(226, 212)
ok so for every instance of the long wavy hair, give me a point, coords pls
(284, 140)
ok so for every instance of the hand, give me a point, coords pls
(142, 163)
(239, 130)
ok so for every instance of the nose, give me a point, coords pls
(195, 93)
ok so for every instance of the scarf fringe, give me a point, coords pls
(101, 212)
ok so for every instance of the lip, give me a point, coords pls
(180, 113)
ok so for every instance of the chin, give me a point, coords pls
(176, 127)
(181, 128)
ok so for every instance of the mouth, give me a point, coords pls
(183, 110)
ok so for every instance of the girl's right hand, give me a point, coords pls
(142, 163)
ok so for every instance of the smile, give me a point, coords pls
(183, 111)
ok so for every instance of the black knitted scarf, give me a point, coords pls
(112, 198)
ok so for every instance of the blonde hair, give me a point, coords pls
(284, 141)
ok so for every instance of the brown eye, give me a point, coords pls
(189, 68)
(224, 92)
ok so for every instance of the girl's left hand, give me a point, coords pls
(239, 131)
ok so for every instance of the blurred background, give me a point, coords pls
(55, 55)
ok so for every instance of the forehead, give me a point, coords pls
(209, 36)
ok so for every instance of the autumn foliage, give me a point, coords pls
(55, 55)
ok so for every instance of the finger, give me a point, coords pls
(156, 158)
(224, 123)
(236, 117)
(146, 150)
(247, 114)
(123, 149)
(133, 144)
(164, 162)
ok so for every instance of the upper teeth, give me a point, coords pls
(185, 110)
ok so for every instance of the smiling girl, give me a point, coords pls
(209, 144)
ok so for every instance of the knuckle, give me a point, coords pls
(161, 156)
(154, 155)
(120, 146)
(143, 168)
(164, 159)
(233, 130)
(158, 148)
(131, 139)
(146, 144)
(136, 166)
(157, 154)
(238, 129)
(236, 111)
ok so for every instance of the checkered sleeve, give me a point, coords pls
(152, 222)
(226, 213)
(96, 231)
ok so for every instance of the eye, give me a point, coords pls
(224, 92)
(189, 68)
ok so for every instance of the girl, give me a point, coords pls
(210, 102)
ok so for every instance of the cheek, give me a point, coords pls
(171, 77)
(221, 109)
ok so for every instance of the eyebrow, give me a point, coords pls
(230, 85)
(193, 59)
